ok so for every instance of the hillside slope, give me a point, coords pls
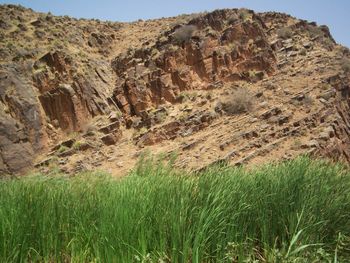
(230, 85)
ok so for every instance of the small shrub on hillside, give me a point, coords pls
(210, 32)
(244, 14)
(303, 52)
(308, 100)
(345, 65)
(186, 96)
(62, 149)
(76, 145)
(89, 129)
(284, 33)
(184, 33)
(39, 33)
(139, 132)
(315, 31)
(233, 18)
(251, 73)
(327, 44)
(240, 101)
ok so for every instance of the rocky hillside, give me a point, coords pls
(230, 85)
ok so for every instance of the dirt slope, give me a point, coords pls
(230, 85)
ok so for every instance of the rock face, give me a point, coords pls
(114, 90)
(21, 124)
(69, 98)
(220, 50)
(336, 138)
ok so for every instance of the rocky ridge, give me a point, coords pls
(229, 85)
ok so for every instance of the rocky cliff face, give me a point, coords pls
(230, 85)
(219, 51)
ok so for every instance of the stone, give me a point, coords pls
(323, 101)
(190, 145)
(66, 153)
(111, 139)
(269, 113)
(114, 116)
(283, 119)
(327, 133)
(110, 127)
(310, 144)
(67, 143)
(330, 131)
(328, 95)
(307, 44)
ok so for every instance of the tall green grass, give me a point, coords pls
(297, 211)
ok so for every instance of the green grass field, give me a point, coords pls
(297, 211)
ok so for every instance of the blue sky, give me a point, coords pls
(333, 13)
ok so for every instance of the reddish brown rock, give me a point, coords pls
(146, 79)
(61, 77)
(111, 138)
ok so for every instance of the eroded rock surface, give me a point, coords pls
(169, 86)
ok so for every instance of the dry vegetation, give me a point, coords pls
(345, 65)
(284, 33)
(184, 33)
(239, 101)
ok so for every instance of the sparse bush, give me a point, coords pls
(327, 44)
(73, 135)
(183, 116)
(244, 14)
(284, 33)
(76, 145)
(304, 100)
(39, 33)
(240, 101)
(184, 33)
(118, 114)
(233, 19)
(210, 32)
(89, 129)
(308, 100)
(186, 95)
(82, 54)
(62, 149)
(296, 144)
(251, 73)
(10, 45)
(315, 31)
(139, 132)
(163, 39)
(155, 53)
(171, 48)
(345, 65)
(303, 52)
(160, 116)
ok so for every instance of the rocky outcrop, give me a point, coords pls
(172, 130)
(68, 97)
(218, 52)
(335, 139)
(21, 123)
(85, 93)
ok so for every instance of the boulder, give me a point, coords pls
(111, 138)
